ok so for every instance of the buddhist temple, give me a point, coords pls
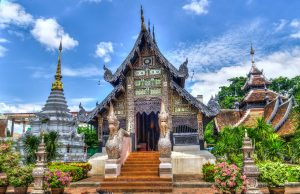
(144, 80)
(259, 102)
(55, 116)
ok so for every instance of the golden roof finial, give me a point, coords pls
(57, 84)
(143, 27)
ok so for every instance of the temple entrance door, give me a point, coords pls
(147, 133)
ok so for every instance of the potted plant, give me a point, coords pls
(3, 183)
(228, 178)
(275, 174)
(20, 178)
(57, 181)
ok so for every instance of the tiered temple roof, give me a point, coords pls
(260, 102)
(178, 76)
(56, 116)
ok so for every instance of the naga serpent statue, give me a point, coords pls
(115, 140)
(164, 143)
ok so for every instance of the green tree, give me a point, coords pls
(226, 94)
(31, 144)
(229, 143)
(209, 136)
(286, 85)
(51, 141)
(281, 84)
(90, 135)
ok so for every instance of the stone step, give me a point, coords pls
(137, 183)
(138, 178)
(135, 189)
(130, 168)
(141, 162)
(139, 173)
(140, 165)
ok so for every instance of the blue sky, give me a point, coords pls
(215, 35)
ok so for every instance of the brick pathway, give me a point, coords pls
(89, 186)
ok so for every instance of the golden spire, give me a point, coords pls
(57, 84)
(143, 27)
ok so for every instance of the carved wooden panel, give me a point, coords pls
(190, 121)
(147, 106)
(120, 106)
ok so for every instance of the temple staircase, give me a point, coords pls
(140, 173)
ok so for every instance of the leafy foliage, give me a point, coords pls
(84, 165)
(285, 85)
(293, 173)
(208, 171)
(3, 181)
(209, 133)
(282, 85)
(273, 173)
(8, 159)
(77, 173)
(90, 135)
(268, 145)
(229, 142)
(58, 179)
(228, 178)
(293, 148)
(31, 143)
(226, 94)
(51, 141)
(20, 176)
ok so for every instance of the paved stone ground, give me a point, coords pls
(184, 186)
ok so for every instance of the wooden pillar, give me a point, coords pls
(200, 130)
(130, 111)
(100, 133)
(12, 127)
(24, 125)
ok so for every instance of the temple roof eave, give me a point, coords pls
(209, 111)
(114, 78)
(88, 116)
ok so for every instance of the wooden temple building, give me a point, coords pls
(144, 80)
(259, 102)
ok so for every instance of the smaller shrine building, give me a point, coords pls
(259, 102)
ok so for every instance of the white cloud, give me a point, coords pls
(19, 108)
(295, 35)
(2, 51)
(82, 72)
(295, 23)
(281, 63)
(2, 48)
(104, 49)
(82, 100)
(48, 32)
(3, 40)
(197, 7)
(231, 47)
(13, 13)
(280, 25)
(90, 71)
